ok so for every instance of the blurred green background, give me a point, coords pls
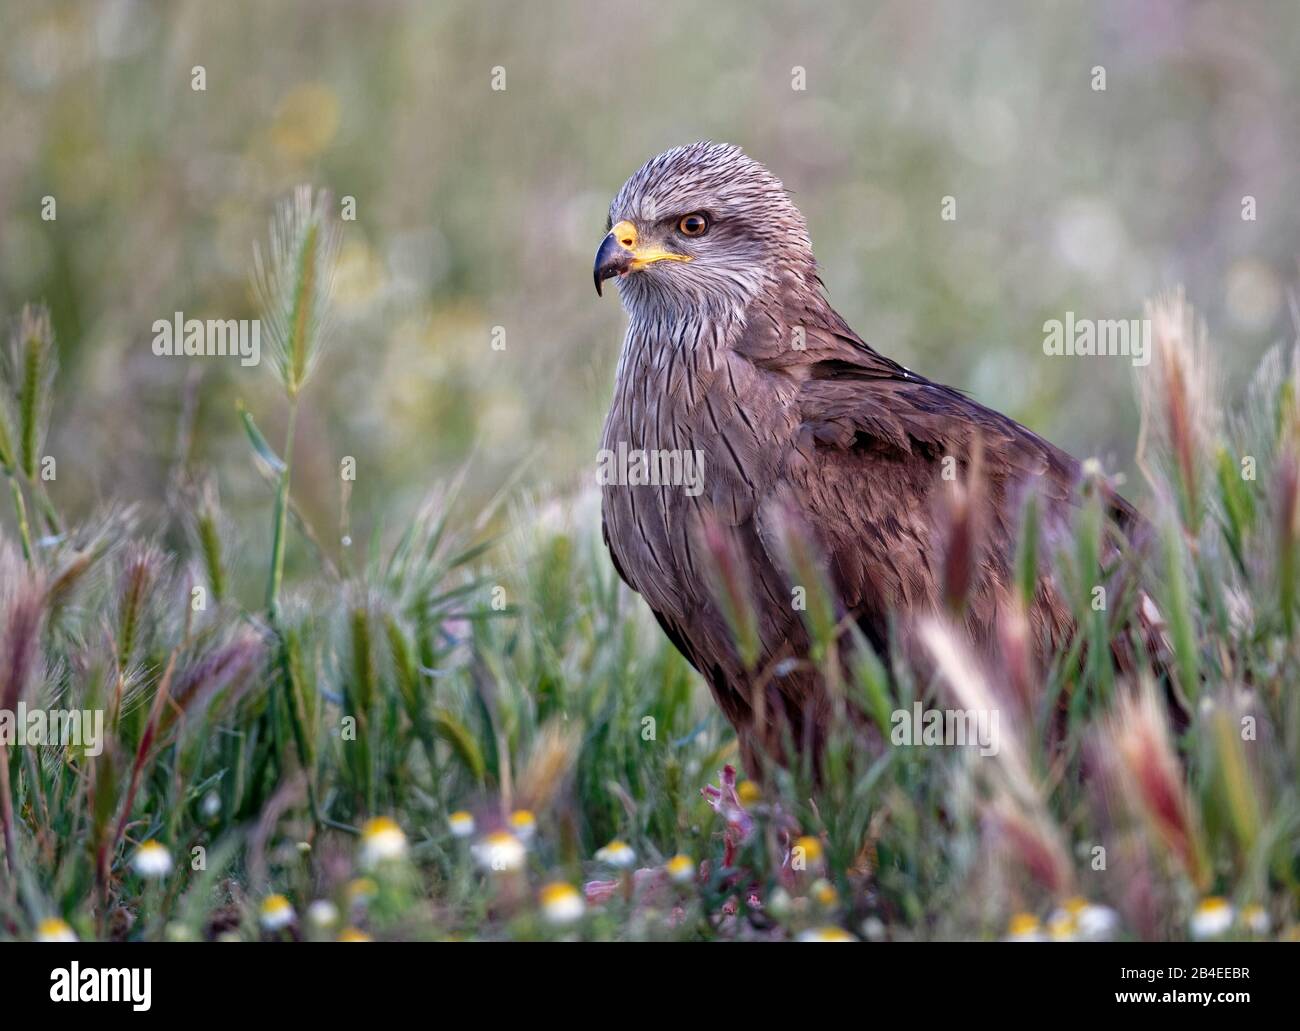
(478, 208)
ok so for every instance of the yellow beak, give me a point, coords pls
(619, 254)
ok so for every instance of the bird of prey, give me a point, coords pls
(734, 354)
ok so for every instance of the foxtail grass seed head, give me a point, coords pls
(729, 581)
(382, 841)
(152, 861)
(461, 824)
(500, 852)
(554, 752)
(33, 363)
(1139, 742)
(1180, 414)
(22, 616)
(294, 280)
(617, 854)
(275, 913)
(562, 904)
(52, 929)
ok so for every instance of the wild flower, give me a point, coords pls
(617, 854)
(1212, 918)
(1077, 918)
(461, 824)
(524, 824)
(1024, 927)
(824, 893)
(827, 933)
(680, 869)
(361, 890)
(275, 913)
(500, 852)
(322, 914)
(1254, 918)
(562, 904)
(382, 841)
(152, 861)
(53, 929)
(806, 853)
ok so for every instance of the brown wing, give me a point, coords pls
(866, 471)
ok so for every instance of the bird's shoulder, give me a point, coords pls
(853, 398)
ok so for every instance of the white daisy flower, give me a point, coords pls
(680, 869)
(381, 841)
(618, 854)
(500, 852)
(276, 913)
(524, 824)
(1024, 927)
(152, 860)
(824, 892)
(1213, 917)
(1097, 923)
(562, 904)
(780, 905)
(461, 824)
(322, 914)
(806, 853)
(829, 933)
(874, 928)
(1061, 927)
(1255, 919)
(53, 929)
(1077, 919)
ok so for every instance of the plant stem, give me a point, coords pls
(7, 813)
(281, 517)
(20, 510)
(273, 603)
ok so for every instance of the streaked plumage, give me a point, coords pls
(737, 353)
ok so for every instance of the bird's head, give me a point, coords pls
(701, 226)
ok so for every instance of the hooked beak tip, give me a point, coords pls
(611, 260)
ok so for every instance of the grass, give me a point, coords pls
(447, 734)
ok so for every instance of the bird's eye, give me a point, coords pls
(693, 225)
